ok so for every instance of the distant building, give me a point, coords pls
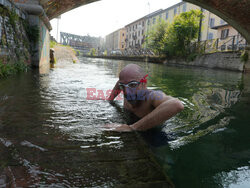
(116, 40)
(135, 33)
(152, 18)
(228, 37)
(208, 22)
(122, 39)
(225, 30)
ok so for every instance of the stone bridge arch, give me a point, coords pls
(235, 12)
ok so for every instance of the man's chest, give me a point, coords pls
(140, 110)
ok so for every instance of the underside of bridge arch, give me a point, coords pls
(235, 12)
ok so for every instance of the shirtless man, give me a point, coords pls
(153, 107)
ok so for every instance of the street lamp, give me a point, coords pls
(57, 29)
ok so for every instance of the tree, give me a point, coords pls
(182, 32)
(155, 39)
(92, 52)
(174, 40)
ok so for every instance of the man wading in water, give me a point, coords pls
(153, 107)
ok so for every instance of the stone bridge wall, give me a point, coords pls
(14, 43)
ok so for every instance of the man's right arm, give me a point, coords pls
(116, 91)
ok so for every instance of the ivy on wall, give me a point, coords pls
(14, 42)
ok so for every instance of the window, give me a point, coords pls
(153, 20)
(211, 22)
(136, 26)
(160, 17)
(166, 15)
(224, 33)
(122, 46)
(143, 24)
(138, 33)
(184, 8)
(142, 32)
(123, 34)
(148, 22)
(210, 36)
(175, 11)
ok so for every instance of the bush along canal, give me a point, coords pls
(51, 135)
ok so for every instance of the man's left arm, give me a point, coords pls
(165, 108)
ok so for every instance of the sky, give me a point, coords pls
(103, 17)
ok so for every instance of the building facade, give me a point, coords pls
(229, 38)
(135, 33)
(116, 40)
(208, 22)
(122, 39)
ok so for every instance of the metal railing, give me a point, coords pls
(231, 43)
(137, 52)
(132, 51)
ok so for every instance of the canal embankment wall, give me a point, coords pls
(218, 60)
(24, 33)
(14, 42)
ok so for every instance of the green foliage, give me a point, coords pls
(32, 32)
(52, 44)
(174, 40)
(92, 52)
(13, 18)
(184, 29)
(78, 52)
(7, 69)
(105, 53)
(191, 57)
(156, 37)
(244, 56)
(1, 10)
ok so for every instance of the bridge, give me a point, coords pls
(40, 12)
(234, 12)
(83, 43)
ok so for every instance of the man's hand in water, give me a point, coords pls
(118, 127)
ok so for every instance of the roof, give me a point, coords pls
(135, 21)
(156, 13)
(176, 5)
(147, 16)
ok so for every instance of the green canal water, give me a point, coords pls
(48, 128)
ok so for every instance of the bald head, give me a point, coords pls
(131, 72)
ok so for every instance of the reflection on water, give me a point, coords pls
(53, 135)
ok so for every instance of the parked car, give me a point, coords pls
(116, 52)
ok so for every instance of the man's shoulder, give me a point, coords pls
(156, 95)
